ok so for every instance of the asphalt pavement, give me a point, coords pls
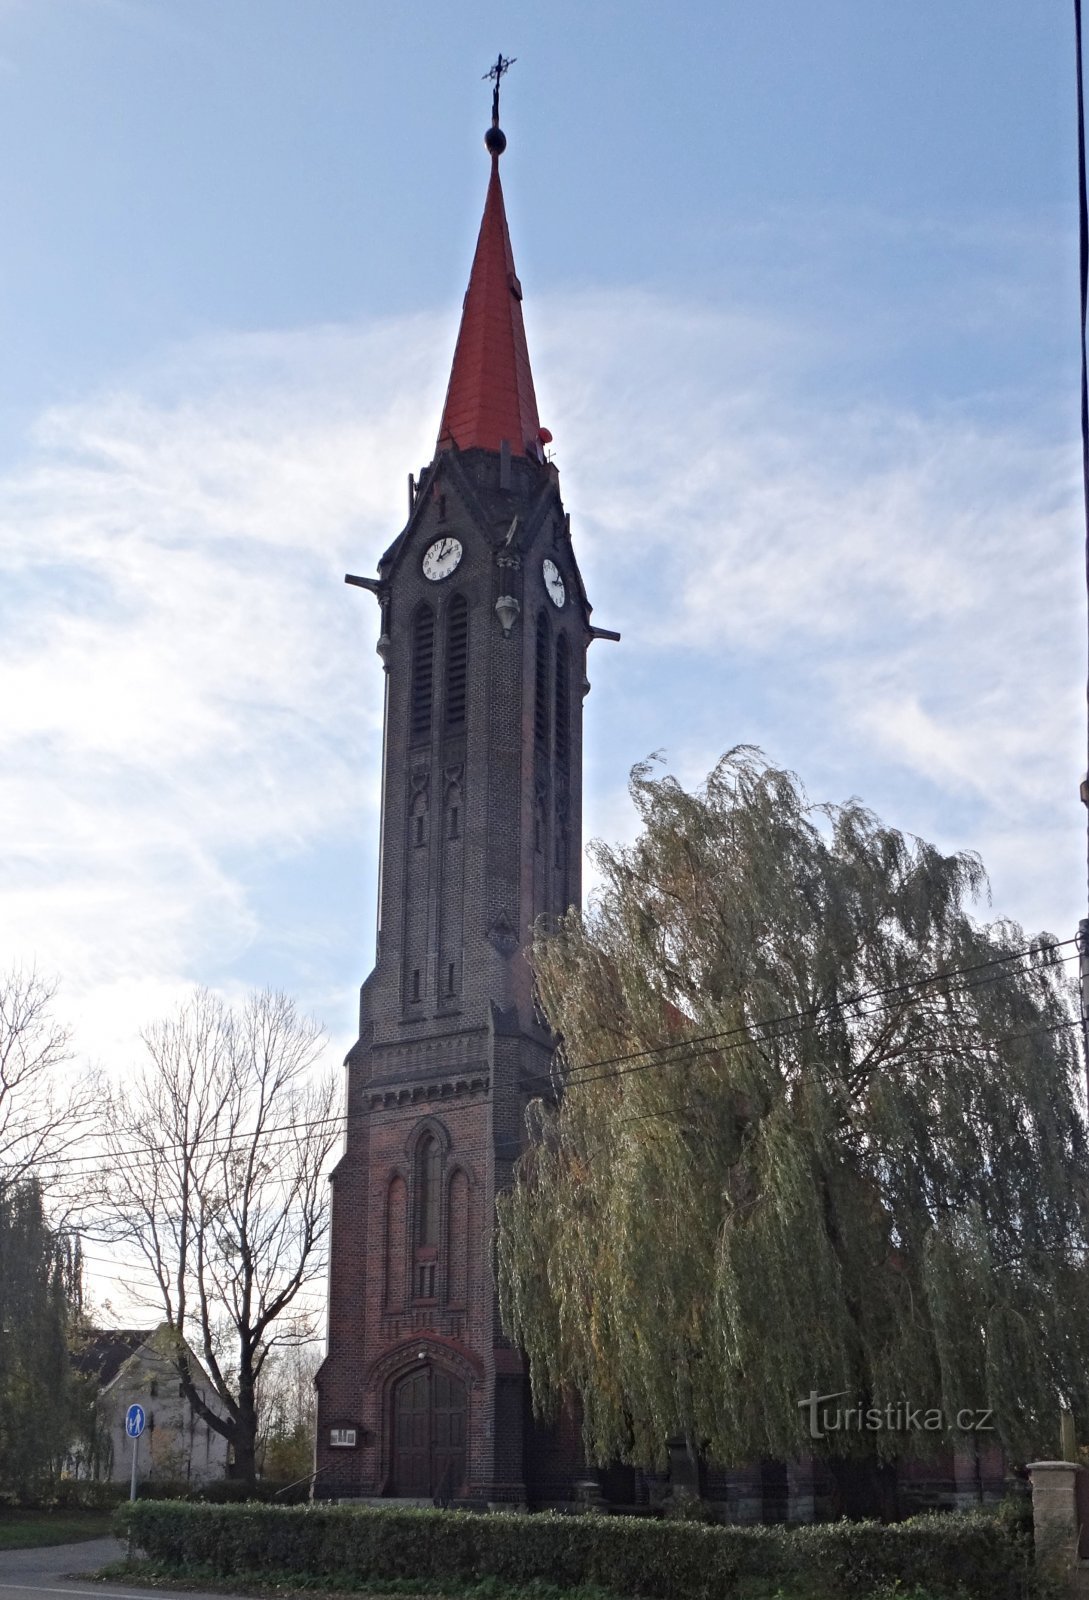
(48, 1570)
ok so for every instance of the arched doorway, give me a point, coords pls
(429, 1417)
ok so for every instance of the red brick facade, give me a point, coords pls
(483, 635)
(484, 627)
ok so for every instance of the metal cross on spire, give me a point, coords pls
(503, 64)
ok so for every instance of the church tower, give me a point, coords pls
(484, 626)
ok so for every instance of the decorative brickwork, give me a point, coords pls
(481, 834)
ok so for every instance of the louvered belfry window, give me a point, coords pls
(540, 697)
(457, 662)
(423, 669)
(563, 703)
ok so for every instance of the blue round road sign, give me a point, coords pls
(134, 1421)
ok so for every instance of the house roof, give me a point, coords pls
(105, 1350)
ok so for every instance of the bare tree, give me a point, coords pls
(287, 1405)
(41, 1120)
(216, 1178)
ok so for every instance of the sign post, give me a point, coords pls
(134, 1427)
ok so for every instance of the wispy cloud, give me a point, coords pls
(888, 600)
(180, 667)
(897, 591)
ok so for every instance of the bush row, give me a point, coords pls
(66, 1494)
(971, 1552)
(227, 1491)
(88, 1494)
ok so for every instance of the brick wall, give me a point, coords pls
(449, 1047)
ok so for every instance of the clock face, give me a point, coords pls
(554, 583)
(441, 558)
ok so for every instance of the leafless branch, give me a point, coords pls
(43, 1117)
(231, 1222)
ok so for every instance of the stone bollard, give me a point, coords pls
(1055, 1520)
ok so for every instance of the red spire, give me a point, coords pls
(490, 397)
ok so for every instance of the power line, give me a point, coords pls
(138, 1269)
(690, 1109)
(661, 1112)
(656, 1114)
(121, 1272)
(848, 1000)
(414, 1117)
(679, 1053)
(807, 1020)
(690, 1053)
(1083, 264)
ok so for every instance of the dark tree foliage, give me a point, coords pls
(871, 1180)
(38, 1282)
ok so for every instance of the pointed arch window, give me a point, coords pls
(563, 704)
(428, 1190)
(423, 671)
(457, 662)
(540, 688)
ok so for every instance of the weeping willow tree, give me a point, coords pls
(818, 1130)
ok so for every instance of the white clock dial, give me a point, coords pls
(554, 583)
(441, 558)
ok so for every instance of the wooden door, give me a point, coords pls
(447, 1435)
(429, 1426)
(412, 1434)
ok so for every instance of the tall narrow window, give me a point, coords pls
(428, 1172)
(563, 702)
(540, 693)
(458, 1272)
(457, 662)
(396, 1208)
(423, 667)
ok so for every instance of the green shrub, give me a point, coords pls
(269, 1491)
(162, 1489)
(66, 1494)
(968, 1553)
(685, 1506)
(217, 1492)
(87, 1494)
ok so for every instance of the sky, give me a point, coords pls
(801, 298)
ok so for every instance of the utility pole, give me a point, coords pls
(1083, 244)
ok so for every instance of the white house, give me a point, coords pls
(133, 1365)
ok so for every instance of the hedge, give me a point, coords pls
(971, 1553)
(66, 1494)
(225, 1491)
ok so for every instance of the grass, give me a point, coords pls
(27, 1529)
(154, 1575)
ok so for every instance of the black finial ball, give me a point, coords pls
(495, 140)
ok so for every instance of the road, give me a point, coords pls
(36, 1574)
